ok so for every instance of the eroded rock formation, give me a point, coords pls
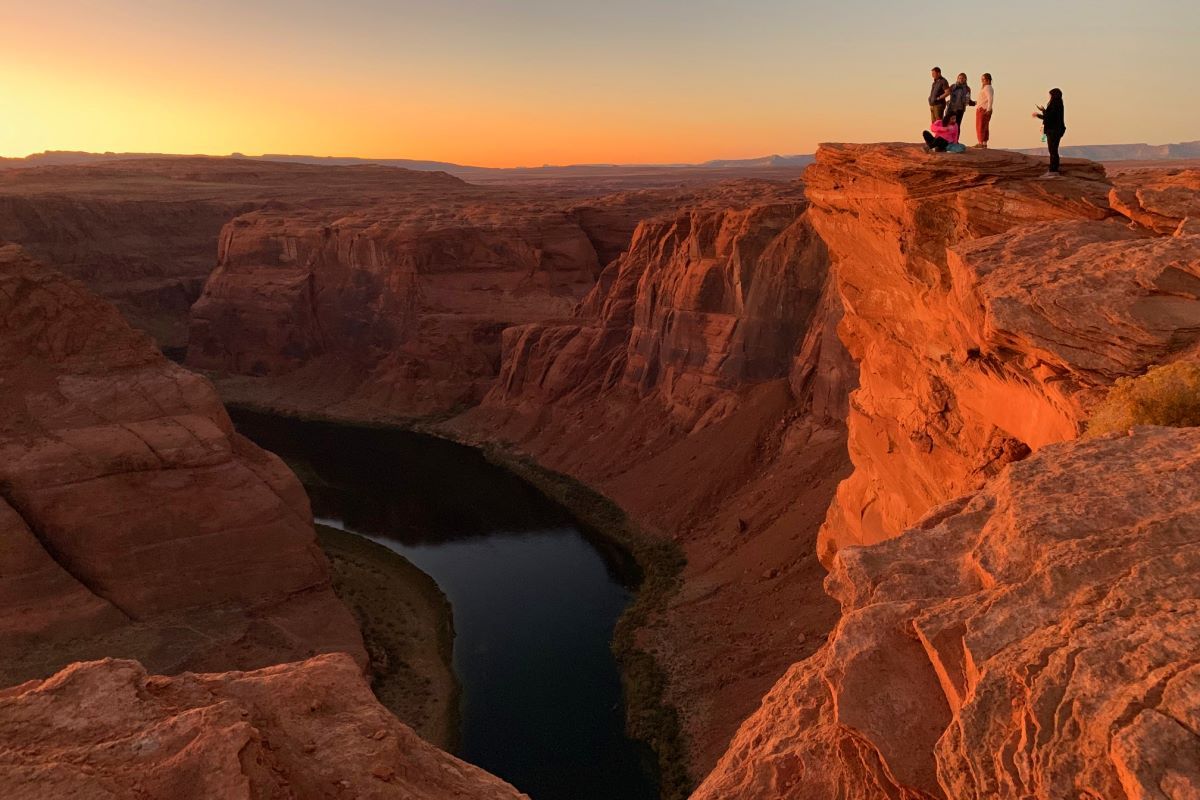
(307, 730)
(701, 387)
(404, 303)
(135, 521)
(1036, 639)
(986, 310)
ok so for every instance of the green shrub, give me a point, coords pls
(1167, 395)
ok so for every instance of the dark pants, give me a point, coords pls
(936, 110)
(936, 142)
(1052, 141)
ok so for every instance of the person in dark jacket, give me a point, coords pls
(1054, 125)
(937, 95)
(958, 97)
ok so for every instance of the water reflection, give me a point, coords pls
(534, 602)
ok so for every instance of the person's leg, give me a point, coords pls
(987, 127)
(958, 117)
(1052, 141)
(933, 113)
(982, 118)
(928, 138)
(940, 144)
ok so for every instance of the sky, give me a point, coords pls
(531, 82)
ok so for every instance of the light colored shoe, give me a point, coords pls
(1049, 176)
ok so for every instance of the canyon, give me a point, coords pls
(851, 403)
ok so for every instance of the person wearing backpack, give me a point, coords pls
(958, 97)
(1054, 126)
(937, 102)
(983, 113)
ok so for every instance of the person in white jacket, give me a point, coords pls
(983, 111)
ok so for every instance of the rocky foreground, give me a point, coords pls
(306, 730)
(1035, 639)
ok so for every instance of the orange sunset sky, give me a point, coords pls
(528, 83)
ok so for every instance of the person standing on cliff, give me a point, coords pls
(1054, 126)
(958, 97)
(983, 113)
(937, 95)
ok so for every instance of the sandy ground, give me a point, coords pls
(407, 628)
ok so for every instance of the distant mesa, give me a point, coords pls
(1098, 152)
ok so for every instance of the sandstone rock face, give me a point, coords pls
(703, 304)
(312, 729)
(149, 257)
(701, 386)
(135, 521)
(410, 300)
(395, 306)
(1033, 640)
(986, 311)
(1158, 199)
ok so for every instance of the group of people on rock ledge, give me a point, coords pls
(948, 105)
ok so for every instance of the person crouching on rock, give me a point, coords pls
(958, 97)
(983, 113)
(1054, 126)
(941, 135)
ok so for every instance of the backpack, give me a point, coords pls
(956, 148)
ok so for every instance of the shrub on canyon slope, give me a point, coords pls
(1167, 395)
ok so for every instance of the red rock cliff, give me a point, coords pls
(135, 521)
(986, 310)
(387, 309)
(1035, 639)
(1020, 626)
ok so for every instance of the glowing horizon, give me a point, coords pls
(535, 82)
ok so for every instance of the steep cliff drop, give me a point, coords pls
(987, 311)
(1036, 639)
(1032, 635)
(135, 521)
(393, 306)
(700, 386)
(303, 731)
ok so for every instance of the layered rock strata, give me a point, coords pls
(307, 730)
(987, 311)
(699, 385)
(1035, 639)
(135, 521)
(394, 306)
(1158, 199)
(405, 304)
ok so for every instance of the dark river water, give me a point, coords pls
(534, 600)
